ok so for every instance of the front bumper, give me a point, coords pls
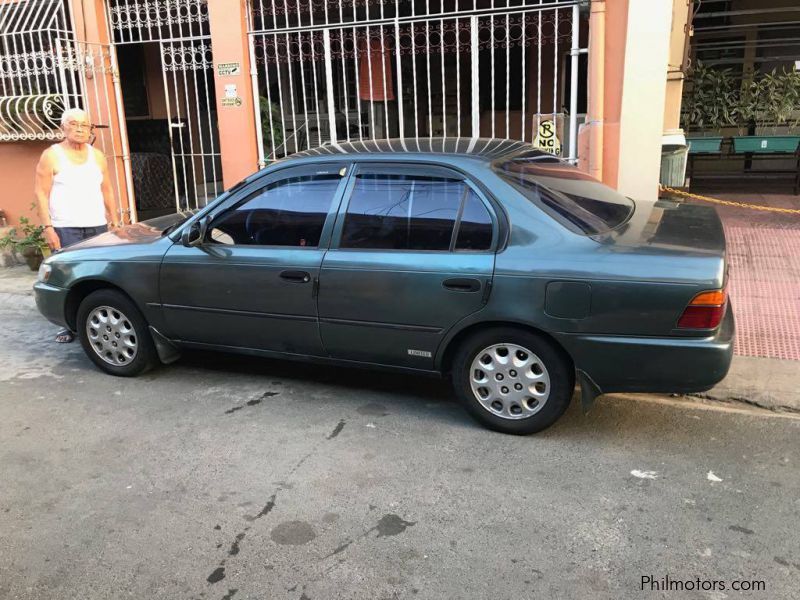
(51, 302)
(658, 365)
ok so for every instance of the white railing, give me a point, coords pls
(134, 21)
(381, 68)
(181, 28)
(31, 93)
(89, 78)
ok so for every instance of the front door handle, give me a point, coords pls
(296, 276)
(462, 284)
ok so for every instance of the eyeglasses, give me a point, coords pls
(77, 125)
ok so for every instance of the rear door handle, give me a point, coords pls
(462, 284)
(296, 276)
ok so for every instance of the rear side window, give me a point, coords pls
(414, 212)
(475, 227)
(566, 193)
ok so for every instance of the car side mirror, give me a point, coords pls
(194, 235)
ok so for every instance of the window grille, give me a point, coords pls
(31, 91)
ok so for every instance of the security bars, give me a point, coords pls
(31, 96)
(181, 29)
(353, 70)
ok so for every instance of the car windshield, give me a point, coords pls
(565, 192)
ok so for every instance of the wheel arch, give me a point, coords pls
(451, 345)
(81, 290)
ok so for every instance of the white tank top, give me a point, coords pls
(76, 199)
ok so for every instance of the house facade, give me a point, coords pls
(190, 96)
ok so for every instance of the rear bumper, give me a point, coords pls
(644, 364)
(51, 302)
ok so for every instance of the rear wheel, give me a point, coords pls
(512, 381)
(114, 334)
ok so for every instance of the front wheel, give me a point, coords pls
(114, 334)
(512, 381)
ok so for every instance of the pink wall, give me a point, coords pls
(18, 160)
(616, 33)
(236, 123)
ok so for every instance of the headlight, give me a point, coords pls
(44, 272)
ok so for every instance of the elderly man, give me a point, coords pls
(73, 189)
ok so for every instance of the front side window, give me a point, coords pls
(414, 212)
(287, 212)
(565, 192)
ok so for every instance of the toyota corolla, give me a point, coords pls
(485, 261)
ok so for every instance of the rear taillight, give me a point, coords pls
(705, 311)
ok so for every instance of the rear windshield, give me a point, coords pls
(565, 193)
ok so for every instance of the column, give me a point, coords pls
(236, 111)
(644, 85)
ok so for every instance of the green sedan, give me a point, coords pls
(485, 261)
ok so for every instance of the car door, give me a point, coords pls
(412, 254)
(252, 282)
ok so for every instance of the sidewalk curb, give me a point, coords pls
(776, 406)
(771, 383)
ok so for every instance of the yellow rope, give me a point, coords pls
(792, 211)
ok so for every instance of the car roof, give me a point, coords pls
(483, 149)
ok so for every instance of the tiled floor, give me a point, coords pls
(764, 259)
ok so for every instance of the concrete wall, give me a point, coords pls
(237, 138)
(643, 97)
(17, 172)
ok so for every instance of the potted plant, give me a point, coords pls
(708, 105)
(769, 101)
(32, 246)
(271, 113)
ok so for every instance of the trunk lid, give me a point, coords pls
(670, 227)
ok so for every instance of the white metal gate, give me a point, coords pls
(180, 27)
(89, 80)
(43, 71)
(333, 70)
(189, 90)
(30, 94)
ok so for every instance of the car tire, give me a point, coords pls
(512, 381)
(114, 334)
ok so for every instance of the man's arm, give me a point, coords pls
(43, 184)
(112, 212)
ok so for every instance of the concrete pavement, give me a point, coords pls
(225, 477)
(770, 383)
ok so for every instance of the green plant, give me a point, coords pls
(782, 97)
(710, 100)
(33, 236)
(749, 104)
(770, 99)
(271, 125)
